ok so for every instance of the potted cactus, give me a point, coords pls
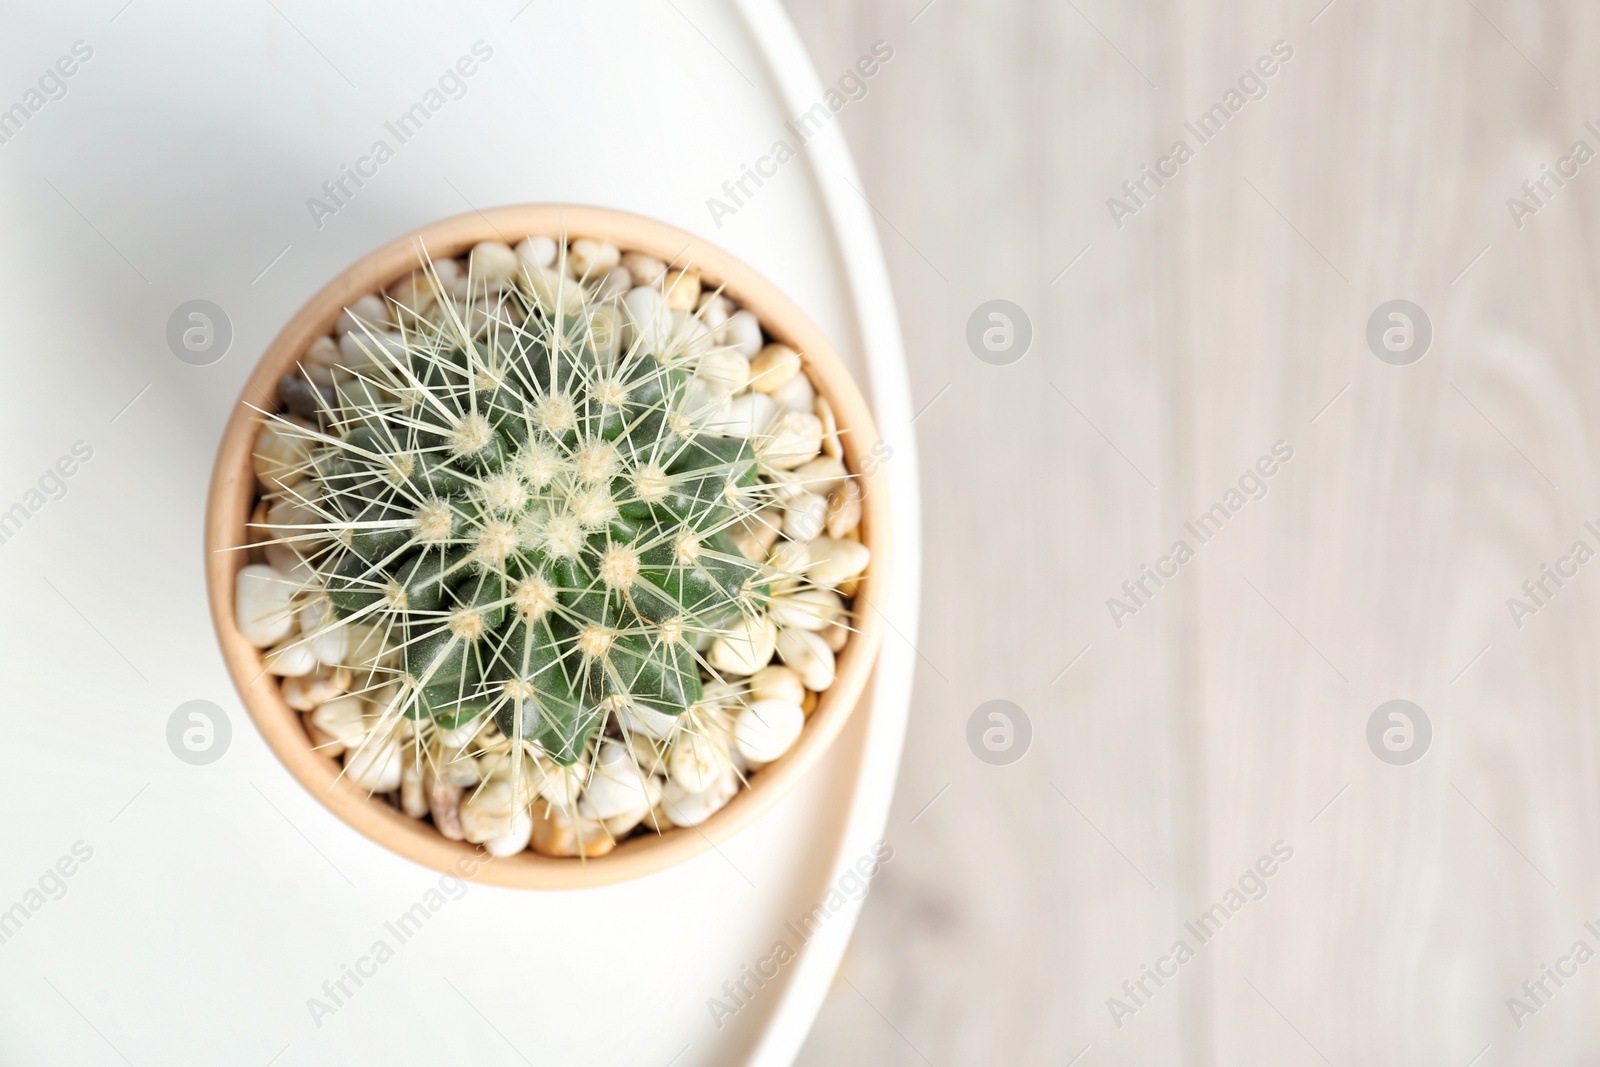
(551, 548)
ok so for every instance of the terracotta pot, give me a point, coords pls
(233, 491)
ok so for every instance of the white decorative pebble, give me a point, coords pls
(458, 768)
(765, 730)
(461, 736)
(705, 404)
(370, 353)
(714, 310)
(620, 825)
(368, 312)
(288, 514)
(450, 271)
(444, 804)
(716, 696)
(777, 682)
(262, 604)
(516, 836)
(291, 658)
(834, 559)
(695, 761)
(324, 634)
(797, 395)
(682, 288)
(606, 332)
(836, 636)
(804, 516)
(810, 657)
(556, 832)
(831, 445)
(807, 609)
(745, 416)
(688, 334)
(647, 318)
(616, 787)
(637, 718)
(321, 362)
(755, 534)
(724, 369)
(745, 647)
(321, 743)
(492, 262)
(793, 440)
(691, 809)
(413, 793)
(364, 648)
(560, 785)
(343, 718)
(487, 812)
(773, 368)
(589, 258)
(742, 333)
(844, 509)
(284, 559)
(789, 558)
(537, 251)
(308, 692)
(415, 293)
(649, 754)
(613, 283)
(550, 289)
(643, 268)
(375, 766)
(822, 475)
(282, 455)
(496, 763)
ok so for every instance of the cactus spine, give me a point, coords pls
(520, 497)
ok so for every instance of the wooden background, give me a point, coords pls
(1230, 714)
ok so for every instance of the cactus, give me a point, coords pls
(523, 499)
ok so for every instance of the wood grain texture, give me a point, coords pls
(1229, 313)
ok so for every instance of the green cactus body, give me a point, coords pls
(527, 510)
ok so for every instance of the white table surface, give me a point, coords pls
(219, 898)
